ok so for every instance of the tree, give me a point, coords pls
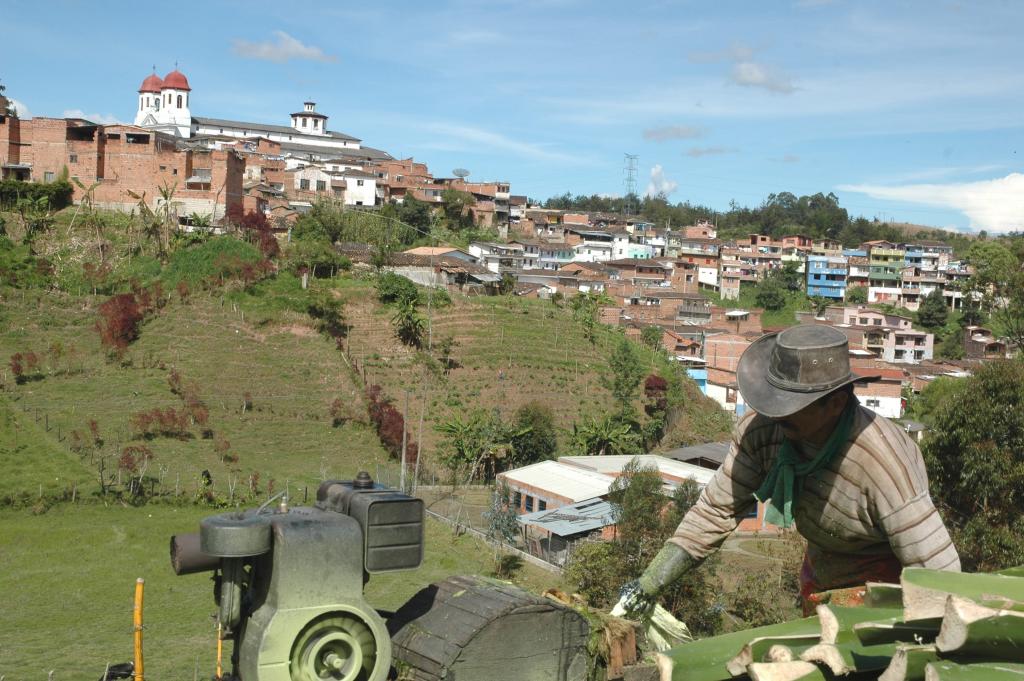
(651, 337)
(502, 519)
(455, 209)
(626, 372)
(394, 288)
(585, 307)
(120, 317)
(478, 445)
(409, 325)
(770, 294)
(994, 265)
(857, 295)
(644, 519)
(606, 435)
(537, 436)
(1010, 313)
(975, 458)
(507, 284)
(933, 312)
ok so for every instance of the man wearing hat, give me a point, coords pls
(851, 481)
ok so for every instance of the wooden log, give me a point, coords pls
(479, 629)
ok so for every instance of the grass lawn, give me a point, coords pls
(796, 301)
(69, 577)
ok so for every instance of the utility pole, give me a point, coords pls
(629, 169)
(405, 430)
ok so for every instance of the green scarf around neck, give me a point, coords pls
(781, 489)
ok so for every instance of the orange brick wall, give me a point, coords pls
(723, 351)
(10, 140)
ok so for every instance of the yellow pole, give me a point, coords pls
(137, 620)
(220, 650)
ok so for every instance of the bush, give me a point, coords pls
(857, 295)
(158, 422)
(975, 458)
(389, 424)
(21, 269)
(213, 262)
(394, 288)
(770, 295)
(120, 318)
(57, 194)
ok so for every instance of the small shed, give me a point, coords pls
(549, 534)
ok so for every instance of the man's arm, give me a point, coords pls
(730, 494)
(918, 536)
(903, 508)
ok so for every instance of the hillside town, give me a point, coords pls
(653, 276)
(420, 422)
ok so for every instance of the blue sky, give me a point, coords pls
(906, 110)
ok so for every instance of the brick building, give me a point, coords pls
(124, 162)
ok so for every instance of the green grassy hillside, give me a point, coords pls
(266, 379)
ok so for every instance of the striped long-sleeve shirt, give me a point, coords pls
(871, 500)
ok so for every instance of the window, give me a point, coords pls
(179, 101)
(303, 184)
(174, 171)
(321, 185)
(359, 183)
(72, 158)
(517, 500)
(48, 176)
(873, 403)
(529, 504)
(542, 505)
(163, 169)
(304, 122)
(316, 123)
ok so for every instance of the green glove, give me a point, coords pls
(669, 565)
(639, 597)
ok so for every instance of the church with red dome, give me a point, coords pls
(163, 104)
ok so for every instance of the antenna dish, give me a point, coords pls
(460, 173)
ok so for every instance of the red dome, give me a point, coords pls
(177, 80)
(151, 84)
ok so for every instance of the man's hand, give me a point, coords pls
(634, 603)
(638, 598)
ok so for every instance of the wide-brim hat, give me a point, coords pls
(781, 373)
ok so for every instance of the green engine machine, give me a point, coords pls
(289, 581)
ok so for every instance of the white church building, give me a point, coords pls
(164, 106)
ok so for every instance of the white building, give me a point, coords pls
(163, 104)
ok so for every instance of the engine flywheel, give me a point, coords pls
(338, 646)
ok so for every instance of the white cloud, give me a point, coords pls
(286, 47)
(481, 140)
(754, 74)
(994, 205)
(102, 119)
(673, 132)
(746, 71)
(660, 184)
(734, 53)
(21, 108)
(697, 152)
(475, 37)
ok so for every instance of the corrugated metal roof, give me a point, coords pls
(712, 451)
(583, 516)
(571, 482)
